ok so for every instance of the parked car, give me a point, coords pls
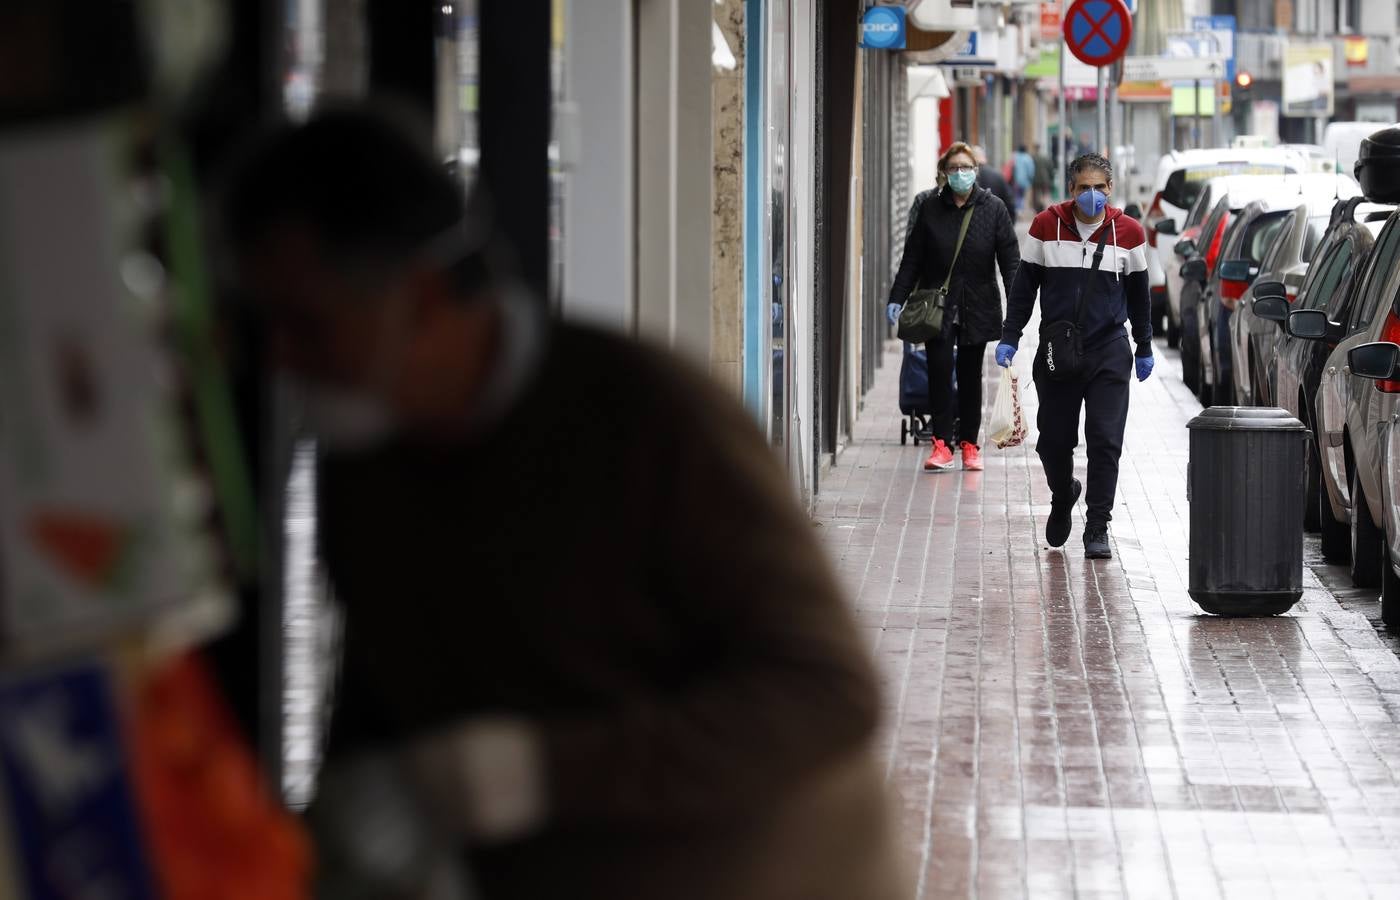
(1357, 398)
(1220, 291)
(1257, 232)
(1298, 362)
(1180, 176)
(1256, 340)
(1183, 246)
(1199, 261)
(1350, 458)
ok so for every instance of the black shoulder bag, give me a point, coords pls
(1062, 342)
(921, 319)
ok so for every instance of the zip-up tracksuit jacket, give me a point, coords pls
(1052, 259)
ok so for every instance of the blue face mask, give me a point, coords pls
(962, 182)
(1091, 203)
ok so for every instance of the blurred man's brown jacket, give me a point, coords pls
(621, 565)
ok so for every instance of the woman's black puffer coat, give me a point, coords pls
(990, 241)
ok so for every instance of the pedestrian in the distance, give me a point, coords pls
(668, 701)
(1044, 182)
(1023, 175)
(988, 177)
(974, 314)
(1088, 263)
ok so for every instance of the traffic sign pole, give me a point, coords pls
(1064, 118)
(1102, 136)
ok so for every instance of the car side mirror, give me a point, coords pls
(1375, 361)
(1167, 227)
(1194, 270)
(1308, 324)
(1270, 289)
(1271, 308)
(1238, 270)
(1185, 248)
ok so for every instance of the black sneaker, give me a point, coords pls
(1057, 527)
(1096, 543)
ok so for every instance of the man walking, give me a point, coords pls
(1088, 263)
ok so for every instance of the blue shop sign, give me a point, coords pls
(883, 28)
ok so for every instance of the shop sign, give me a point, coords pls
(70, 808)
(1307, 79)
(1357, 50)
(1050, 21)
(883, 28)
(1218, 39)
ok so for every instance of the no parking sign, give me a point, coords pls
(1098, 32)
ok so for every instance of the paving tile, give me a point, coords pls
(1063, 728)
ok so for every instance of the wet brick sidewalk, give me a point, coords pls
(1061, 728)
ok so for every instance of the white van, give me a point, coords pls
(1342, 141)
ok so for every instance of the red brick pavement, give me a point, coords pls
(1062, 728)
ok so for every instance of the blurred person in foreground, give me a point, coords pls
(585, 622)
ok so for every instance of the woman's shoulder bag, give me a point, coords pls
(921, 319)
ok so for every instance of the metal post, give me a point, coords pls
(1102, 136)
(1064, 118)
(1196, 123)
(1317, 27)
(1218, 125)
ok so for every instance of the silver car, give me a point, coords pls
(1353, 412)
(1284, 262)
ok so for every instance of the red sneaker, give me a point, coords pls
(972, 459)
(940, 458)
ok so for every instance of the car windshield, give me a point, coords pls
(1185, 185)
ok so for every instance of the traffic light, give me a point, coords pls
(1244, 80)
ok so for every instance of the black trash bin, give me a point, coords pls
(1245, 483)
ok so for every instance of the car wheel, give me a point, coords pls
(1336, 536)
(1367, 541)
(1312, 469)
(1390, 594)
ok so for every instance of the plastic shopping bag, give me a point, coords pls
(1008, 425)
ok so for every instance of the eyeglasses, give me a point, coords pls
(961, 170)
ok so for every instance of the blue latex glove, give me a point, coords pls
(1144, 366)
(892, 313)
(1005, 353)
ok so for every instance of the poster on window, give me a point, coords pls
(101, 511)
(1308, 88)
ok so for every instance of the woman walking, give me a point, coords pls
(973, 317)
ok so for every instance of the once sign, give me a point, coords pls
(1098, 31)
